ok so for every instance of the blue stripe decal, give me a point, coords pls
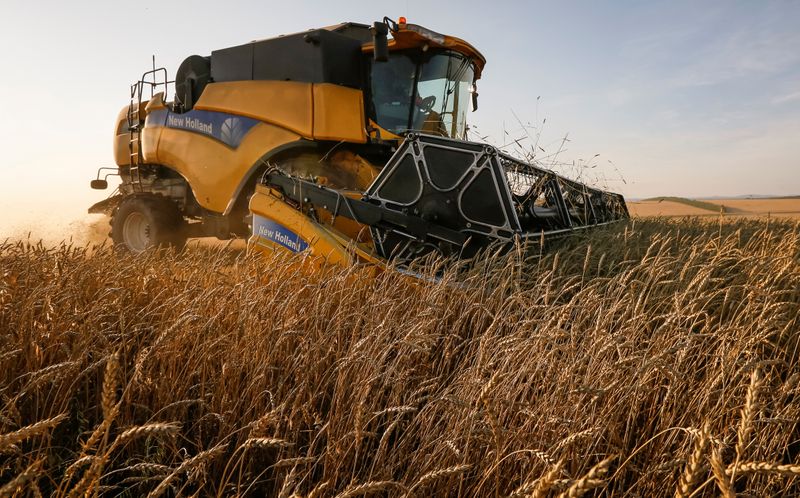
(229, 129)
(268, 229)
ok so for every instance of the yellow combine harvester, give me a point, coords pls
(338, 141)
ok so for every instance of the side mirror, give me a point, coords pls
(99, 184)
(380, 42)
(474, 93)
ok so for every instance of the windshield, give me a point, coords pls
(428, 94)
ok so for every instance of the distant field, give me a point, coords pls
(781, 207)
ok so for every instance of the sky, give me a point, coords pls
(645, 98)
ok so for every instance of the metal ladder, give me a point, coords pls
(152, 79)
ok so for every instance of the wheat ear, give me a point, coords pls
(540, 487)
(186, 466)
(318, 490)
(369, 488)
(109, 400)
(764, 468)
(439, 474)
(749, 411)
(265, 442)
(17, 484)
(722, 480)
(155, 429)
(594, 478)
(7, 441)
(694, 466)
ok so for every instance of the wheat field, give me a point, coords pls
(776, 207)
(653, 358)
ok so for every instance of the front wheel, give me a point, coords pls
(144, 221)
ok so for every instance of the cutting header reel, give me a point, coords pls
(456, 198)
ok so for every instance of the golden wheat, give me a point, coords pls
(12, 438)
(220, 373)
(592, 479)
(749, 411)
(194, 462)
(18, 483)
(722, 480)
(766, 468)
(439, 474)
(369, 488)
(694, 467)
(109, 399)
(546, 482)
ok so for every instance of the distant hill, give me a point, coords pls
(747, 196)
(708, 206)
(787, 207)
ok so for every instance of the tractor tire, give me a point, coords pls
(142, 222)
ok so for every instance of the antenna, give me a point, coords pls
(153, 86)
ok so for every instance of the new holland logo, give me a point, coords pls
(233, 131)
(226, 128)
(279, 234)
(190, 123)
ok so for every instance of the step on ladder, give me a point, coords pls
(152, 80)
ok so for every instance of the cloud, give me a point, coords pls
(740, 54)
(783, 99)
(719, 44)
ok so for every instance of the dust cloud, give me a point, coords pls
(53, 225)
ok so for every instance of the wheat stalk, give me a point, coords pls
(694, 466)
(318, 490)
(722, 480)
(12, 438)
(400, 410)
(146, 468)
(291, 462)
(18, 483)
(90, 478)
(80, 462)
(189, 464)
(221, 338)
(370, 488)
(265, 442)
(47, 373)
(97, 434)
(547, 481)
(749, 411)
(147, 430)
(541, 486)
(109, 396)
(439, 474)
(592, 479)
(764, 468)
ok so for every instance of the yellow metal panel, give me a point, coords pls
(150, 135)
(323, 244)
(155, 103)
(121, 153)
(150, 139)
(288, 104)
(339, 113)
(405, 38)
(302, 231)
(377, 132)
(213, 169)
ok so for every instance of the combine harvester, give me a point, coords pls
(338, 141)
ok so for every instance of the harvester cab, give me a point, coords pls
(339, 142)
